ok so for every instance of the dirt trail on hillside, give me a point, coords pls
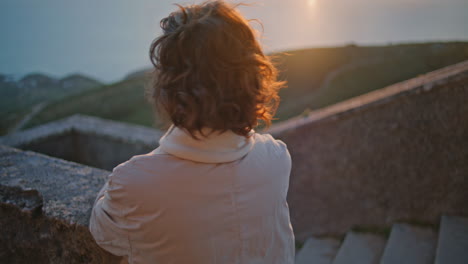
(306, 100)
(35, 110)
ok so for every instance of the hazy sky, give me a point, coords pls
(107, 39)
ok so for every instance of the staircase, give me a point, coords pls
(406, 244)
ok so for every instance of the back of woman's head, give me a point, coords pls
(210, 71)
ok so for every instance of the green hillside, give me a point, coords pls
(317, 77)
(18, 98)
(123, 101)
(321, 77)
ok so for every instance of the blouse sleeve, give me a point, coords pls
(109, 216)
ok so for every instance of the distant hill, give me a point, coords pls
(142, 73)
(317, 77)
(324, 76)
(18, 97)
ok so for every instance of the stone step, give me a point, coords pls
(410, 244)
(452, 247)
(318, 251)
(360, 248)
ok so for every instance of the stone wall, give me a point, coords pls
(400, 153)
(45, 206)
(87, 140)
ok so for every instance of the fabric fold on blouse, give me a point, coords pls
(216, 148)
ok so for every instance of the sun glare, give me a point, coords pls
(311, 3)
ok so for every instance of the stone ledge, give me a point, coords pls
(68, 188)
(87, 140)
(419, 84)
(396, 153)
(28, 201)
(128, 133)
(45, 206)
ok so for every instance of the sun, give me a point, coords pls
(311, 3)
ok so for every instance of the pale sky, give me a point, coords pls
(107, 39)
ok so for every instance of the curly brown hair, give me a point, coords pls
(210, 71)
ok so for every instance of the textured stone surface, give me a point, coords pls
(318, 251)
(68, 188)
(360, 248)
(410, 245)
(84, 124)
(452, 247)
(45, 205)
(29, 238)
(28, 201)
(87, 140)
(394, 154)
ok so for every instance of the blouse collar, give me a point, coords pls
(216, 148)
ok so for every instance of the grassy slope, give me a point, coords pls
(397, 66)
(356, 70)
(123, 101)
(16, 102)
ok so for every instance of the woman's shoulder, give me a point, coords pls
(144, 169)
(144, 161)
(153, 157)
(272, 145)
(272, 156)
(269, 140)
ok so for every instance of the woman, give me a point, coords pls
(214, 191)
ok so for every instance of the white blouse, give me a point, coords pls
(219, 200)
